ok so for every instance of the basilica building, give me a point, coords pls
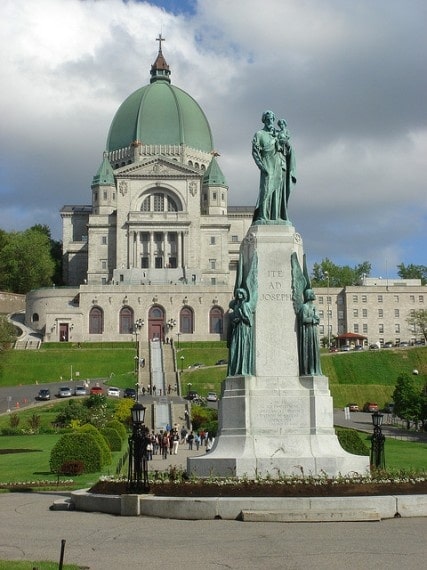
(158, 246)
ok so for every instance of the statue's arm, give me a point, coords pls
(256, 152)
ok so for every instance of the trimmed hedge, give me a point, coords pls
(119, 427)
(76, 446)
(351, 442)
(102, 442)
(113, 438)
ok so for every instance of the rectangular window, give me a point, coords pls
(328, 300)
(320, 300)
(213, 195)
(105, 195)
(380, 298)
(412, 298)
(212, 263)
(158, 236)
(396, 298)
(381, 328)
(213, 240)
(355, 298)
(235, 239)
(321, 330)
(380, 313)
(396, 313)
(104, 240)
(397, 328)
(213, 280)
(365, 313)
(355, 312)
(103, 281)
(103, 264)
(421, 299)
(340, 301)
(158, 262)
(321, 314)
(365, 328)
(364, 298)
(144, 262)
(340, 315)
(356, 328)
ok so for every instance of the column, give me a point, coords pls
(151, 252)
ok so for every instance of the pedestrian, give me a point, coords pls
(209, 443)
(169, 389)
(190, 439)
(175, 442)
(164, 444)
(154, 390)
(149, 450)
(197, 441)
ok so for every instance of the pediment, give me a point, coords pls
(156, 168)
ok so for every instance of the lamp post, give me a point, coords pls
(326, 273)
(138, 469)
(178, 335)
(377, 442)
(182, 363)
(137, 326)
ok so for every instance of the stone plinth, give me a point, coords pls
(276, 422)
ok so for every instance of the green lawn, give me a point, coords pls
(40, 565)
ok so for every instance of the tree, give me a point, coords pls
(55, 252)
(7, 333)
(407, 399)
(326, 272)
(412, 271)
(418, 321)
(25, 261)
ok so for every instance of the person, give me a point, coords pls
(240, 336)
(309, 357)
(197, 441)
(164, 444)
(190, 439)
(149, 450)
(209, 443)
(175, 442)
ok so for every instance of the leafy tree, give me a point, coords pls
(73, 411)
(25, 261)
(55, 251)
(412, 271)
(339, 276)
(7, 333)
(407, 399)
(418, 321)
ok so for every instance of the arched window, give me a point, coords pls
(96, 321)
(161, 202)
(186, 321)
(35, 317)
(216, 320)
(126, 320)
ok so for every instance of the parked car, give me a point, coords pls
(64, 392)
(374, 346)
(404, 344)
(221, 362)
(196, 365)
(44, 394)
(129, 393)
(346, 348)
(333, 349)
(370, 407)
(353, 407)
(114, 392)
(358, 347)
(388, 344)
(96, 391)
(80, 391)
(212, 397)
(192, 395)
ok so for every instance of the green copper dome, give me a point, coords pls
(160, 113)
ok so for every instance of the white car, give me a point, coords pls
(64, 392)
(212, 397)
(80, 391)
(114, 392)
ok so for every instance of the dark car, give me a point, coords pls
(388, 344)
(43, 394)
(129, 393)
(221, 362)
(353, 407)
(192, 395)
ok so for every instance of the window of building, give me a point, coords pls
(321, 313)
(103, 281)
(104, 240)
(126, 320)
(381, 328)
(355, 312)
(96, 321)
(380, 298)
(186, 321)
(213, 280)
(103, 264)
(397, 328)
(365, 328)
(235, 239)
(35, 318)
(321, 330)
(172, 207)
(365, 313)
(144, 237)
(412, 298)
(364, 298)
(355, 328)
(380, 313)
(213, 195)
(216, 320)
(328, 300)
(212, 263)
(158, 262)
(421, 299)
(396, 313)
(396, 298)
(340, 301)
(144, 262)
(223, 196)
(105, 195)
(340, 315)
(320, 300)
(158, 202)
(173, 263)
(355, 298)
(213, 240)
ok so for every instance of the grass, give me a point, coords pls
(37, 565)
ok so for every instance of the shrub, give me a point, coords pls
(76, 446)
(351, 442)
(73, 467)
(119, 427)
(34, 423)
(113, 438)
(101, 441)
(73, 411)
(123, 411)
(14, 420)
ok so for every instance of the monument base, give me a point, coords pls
(275, 427)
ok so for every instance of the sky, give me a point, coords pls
(349, 77)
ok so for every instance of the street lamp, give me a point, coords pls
(178, 335)
(137, 326)
(182, 362)
(138, 468)
(326, 273)
(377, 442)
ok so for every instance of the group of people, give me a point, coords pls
(166, 442)
(152, 390)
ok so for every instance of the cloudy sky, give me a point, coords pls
(348, 75)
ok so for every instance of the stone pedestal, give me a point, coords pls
(276, 422)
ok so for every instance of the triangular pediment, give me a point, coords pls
(156, 168)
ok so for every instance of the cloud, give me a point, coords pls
(349, 78)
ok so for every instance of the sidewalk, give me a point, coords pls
(179, 461)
